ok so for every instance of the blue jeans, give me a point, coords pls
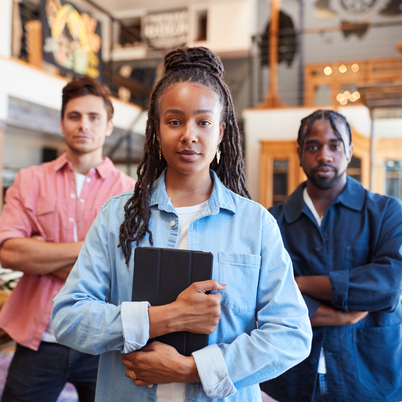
(39, 376)
(321, 390)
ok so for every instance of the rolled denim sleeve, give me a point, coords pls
(135, 332)
(213, 372)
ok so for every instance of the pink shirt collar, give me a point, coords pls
(104, 169)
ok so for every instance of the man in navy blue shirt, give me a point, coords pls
(346, 245)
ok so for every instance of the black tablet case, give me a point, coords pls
(160, 275)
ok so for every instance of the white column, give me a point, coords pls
(6, 8)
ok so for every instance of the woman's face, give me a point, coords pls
(190, 127)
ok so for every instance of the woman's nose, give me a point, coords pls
(189, 134)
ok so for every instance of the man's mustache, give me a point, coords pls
(326, 165)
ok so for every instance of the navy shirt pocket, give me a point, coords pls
(357, 255)
(240, 272)
(378, 354)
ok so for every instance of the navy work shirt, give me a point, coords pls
(359, 246)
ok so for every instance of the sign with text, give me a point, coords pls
(166, 30)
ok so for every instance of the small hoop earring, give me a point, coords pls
(218, 155)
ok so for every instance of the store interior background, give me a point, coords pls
(344, 55)
(331, 54)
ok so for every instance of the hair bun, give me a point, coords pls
(194, 57)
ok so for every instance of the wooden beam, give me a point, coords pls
(272, 99)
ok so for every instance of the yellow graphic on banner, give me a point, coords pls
(74, 42)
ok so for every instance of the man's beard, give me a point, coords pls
(324, 183)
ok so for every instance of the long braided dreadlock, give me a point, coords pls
(195, 65)
(333, 117)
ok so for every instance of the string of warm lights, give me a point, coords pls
(344, 97)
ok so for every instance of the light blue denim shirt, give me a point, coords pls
(264, 327)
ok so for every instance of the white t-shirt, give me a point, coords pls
(48, 335)
(176, 391)
(322, 368)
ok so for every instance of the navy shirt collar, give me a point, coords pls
(351, 197)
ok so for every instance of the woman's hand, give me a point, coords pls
(158, 363)
(193, 311)
(200, 312)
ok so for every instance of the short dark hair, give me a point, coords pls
(86, 86)
(321, 114)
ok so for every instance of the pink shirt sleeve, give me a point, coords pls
(16, 221)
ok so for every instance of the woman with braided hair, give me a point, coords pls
(190, 194)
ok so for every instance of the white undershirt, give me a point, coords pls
(176, 391)
(322, 368)
(48, 335)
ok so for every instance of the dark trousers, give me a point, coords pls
(39, 376)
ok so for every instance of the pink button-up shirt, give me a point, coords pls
(43, 201)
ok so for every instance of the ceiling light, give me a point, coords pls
(342, 68)
(339, 97)
(124, 94)
(355, 68)
(125, 70)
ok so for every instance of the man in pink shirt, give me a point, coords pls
(47, 213)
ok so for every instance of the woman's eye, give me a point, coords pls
(205, 123)
(312, 148)
(174, 122)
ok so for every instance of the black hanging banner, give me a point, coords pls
(71, 39)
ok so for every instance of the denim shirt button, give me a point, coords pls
(150, 385)
(172, 223)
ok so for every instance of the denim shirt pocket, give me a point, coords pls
(240, 272)
(378, 357)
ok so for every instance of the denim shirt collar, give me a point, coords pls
(352, 197)
(221, 196)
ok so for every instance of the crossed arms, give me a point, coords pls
(36, 256)
(320, 287)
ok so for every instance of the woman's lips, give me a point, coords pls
(188, 155)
